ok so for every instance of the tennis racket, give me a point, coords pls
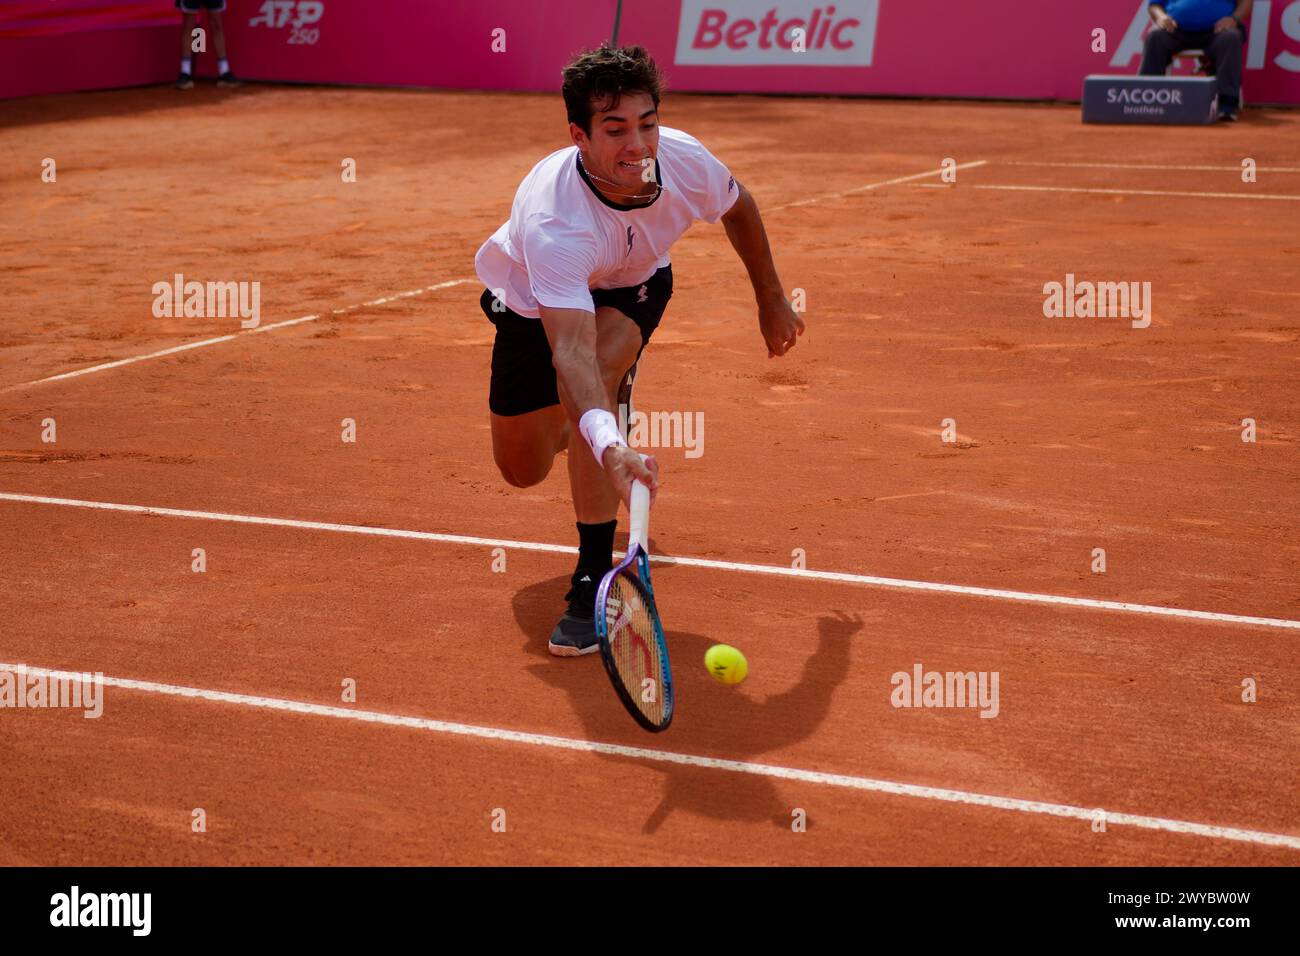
(627, 623)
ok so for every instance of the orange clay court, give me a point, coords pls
(373, 561)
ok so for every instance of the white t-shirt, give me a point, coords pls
(564, 239)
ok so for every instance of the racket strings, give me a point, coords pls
(635, 647)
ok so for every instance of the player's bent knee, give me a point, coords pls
(516, 482)
(523, 474)
(518, 456)
(523, 452)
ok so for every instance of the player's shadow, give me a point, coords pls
(714, 720)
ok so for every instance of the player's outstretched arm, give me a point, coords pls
(779, 324)
(572, 334)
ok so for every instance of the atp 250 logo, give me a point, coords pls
(297, 15)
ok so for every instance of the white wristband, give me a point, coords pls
(600, 429)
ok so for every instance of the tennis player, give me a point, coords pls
(576, 283)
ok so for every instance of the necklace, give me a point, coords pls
(590, 175)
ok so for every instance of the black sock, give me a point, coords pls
(596, 545)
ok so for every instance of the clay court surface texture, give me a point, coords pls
(373, 561)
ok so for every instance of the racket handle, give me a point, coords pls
(638, 511)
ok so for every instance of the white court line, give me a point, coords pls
(891, 787)
(869, 186)
(779, 570)
(1217, 169)
(228, 338)
(1116, 192)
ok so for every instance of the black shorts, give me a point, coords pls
(194, 6)
(523, 378)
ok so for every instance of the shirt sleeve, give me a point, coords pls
(709, 184)
(560, 261)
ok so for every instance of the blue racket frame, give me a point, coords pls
(641, 579)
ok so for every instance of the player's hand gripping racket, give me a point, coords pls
(627, 623)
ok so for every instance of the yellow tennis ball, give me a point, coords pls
(726, 663)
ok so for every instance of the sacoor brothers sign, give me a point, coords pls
(1149, 99)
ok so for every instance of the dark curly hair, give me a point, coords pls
(603, 76)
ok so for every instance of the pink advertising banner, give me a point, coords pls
(1034, 49)
(457, 44)
(53, 46)
(22, 18)
(1019, 49)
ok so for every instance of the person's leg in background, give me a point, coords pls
(224, 76)
(186, 79)
(1225, 50)
(1158, 50)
